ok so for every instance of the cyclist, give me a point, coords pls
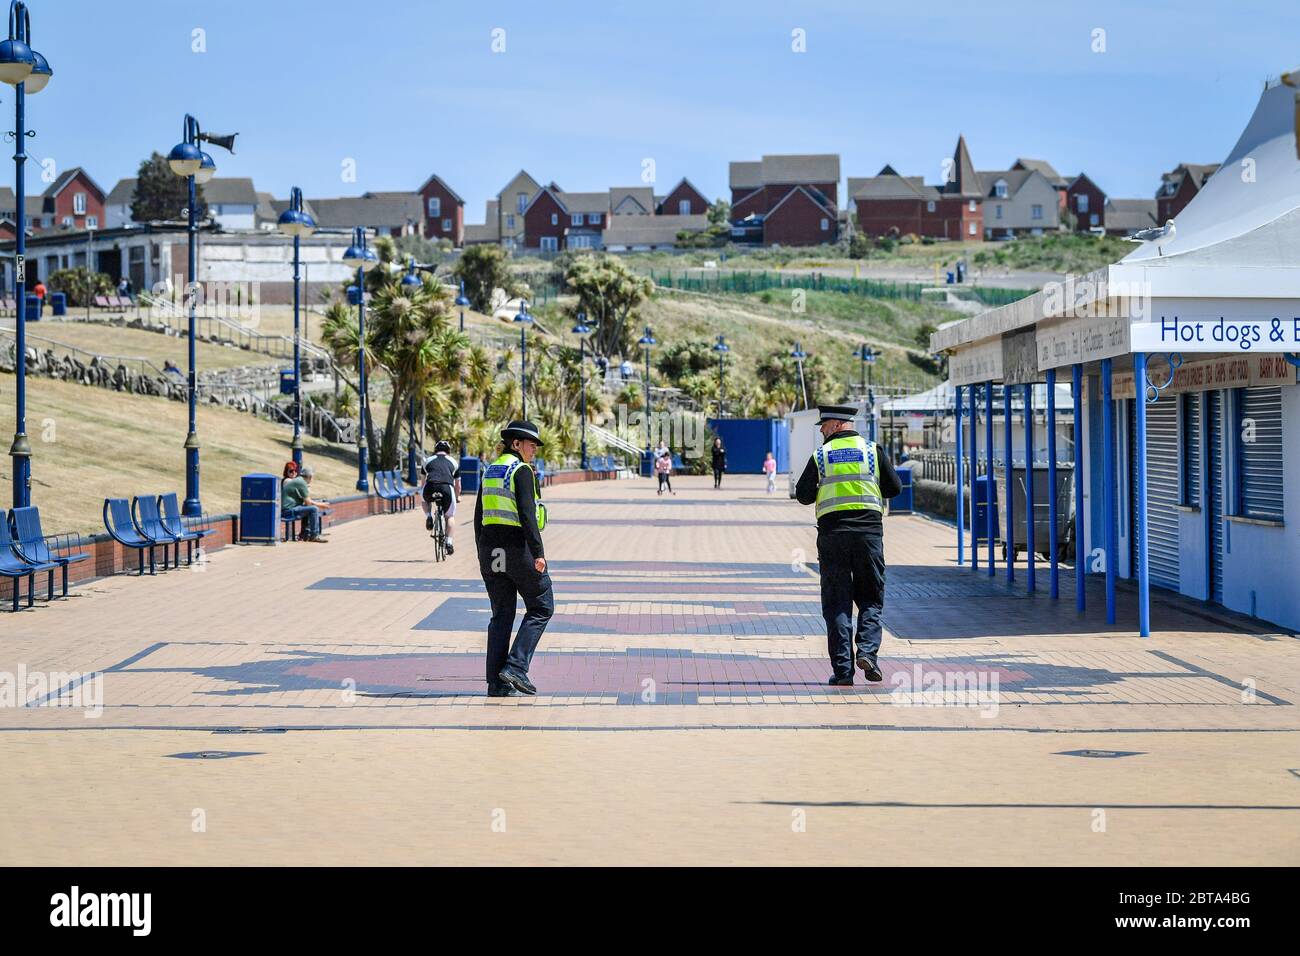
(442, 480)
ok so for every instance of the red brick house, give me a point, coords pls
(805, 187)
(444, 211)
(1178, 187)
(1087, 202)
(683, 200)
(892, 205)
(72, 201)
(800, 218)
(556, 220)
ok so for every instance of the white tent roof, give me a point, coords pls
(1248, 213)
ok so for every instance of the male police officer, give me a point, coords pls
(849, 478)
(508, 522)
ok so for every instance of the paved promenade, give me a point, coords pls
(326, 704)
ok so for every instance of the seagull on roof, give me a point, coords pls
(1167, 231)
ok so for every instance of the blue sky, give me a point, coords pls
(584, 92)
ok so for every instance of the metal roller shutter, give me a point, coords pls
(1162, 491)
(1260, 460)
(1192, 448)
(1214, 485)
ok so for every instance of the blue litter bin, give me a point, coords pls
(286, 381)
(354, 295)
(33, 308)
(647, 463)
(259, 509)
(901, 504)
(984, 491)
(58, 303)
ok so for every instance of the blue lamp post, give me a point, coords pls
(647, 342)
(722, 348)
(27, 72)
(411, 283)
(799, 355)
(361, 257)
(188, 160)
(582, 330)
(525, 319)
(296, 223)
(868, 357)
(462, 303)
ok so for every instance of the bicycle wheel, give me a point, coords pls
(440, 536)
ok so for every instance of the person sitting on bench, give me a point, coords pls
(296, 502)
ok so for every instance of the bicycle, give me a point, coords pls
(439, 532)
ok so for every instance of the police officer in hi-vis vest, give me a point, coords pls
(508, 522)
(849, 478)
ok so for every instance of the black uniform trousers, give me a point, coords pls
(853, 572)
(509, 574)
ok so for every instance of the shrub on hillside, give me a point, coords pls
(77, 283)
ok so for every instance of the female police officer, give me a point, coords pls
(508, 522)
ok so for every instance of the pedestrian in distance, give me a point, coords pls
(769, 469)
(508, 521)
(849, 478)
(719, 462)
(664, 471)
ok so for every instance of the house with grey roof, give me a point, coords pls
(1018, 202)
(232, 203)
(891, 205)
(649, 233)
(388, 213)
(787, 199)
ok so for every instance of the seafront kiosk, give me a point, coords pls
(1182, 362)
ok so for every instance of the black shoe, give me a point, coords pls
(428, 523)
(450, 548)
(502, 690)
(518, 682)
(841, 681)
(870, 669)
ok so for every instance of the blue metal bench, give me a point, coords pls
(289, 525)
(33, 546)
(176, 526)
(13, 566)
(406, 494)
(387, 489)
(144, 512)
(120, 527)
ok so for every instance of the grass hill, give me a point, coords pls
(90, 443)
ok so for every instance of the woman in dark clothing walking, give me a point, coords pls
(719, 462)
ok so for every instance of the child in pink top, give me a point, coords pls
(769, 469)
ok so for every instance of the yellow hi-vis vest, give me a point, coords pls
(850, 476)
(499, 505)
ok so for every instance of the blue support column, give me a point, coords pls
(974, 475)
(1053, 544)
(990, 512)
(1140, 456)
(961, 491)
(1008, 435)
(1080, 542)
(1108, 485)
(1031, 512)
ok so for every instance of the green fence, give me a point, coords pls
(995, 297)
(743, 282)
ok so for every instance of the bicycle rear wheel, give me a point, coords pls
(440, 536)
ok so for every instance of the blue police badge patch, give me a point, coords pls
(497, 471)
(839, 456)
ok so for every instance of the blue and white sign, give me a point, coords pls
(1201, 332)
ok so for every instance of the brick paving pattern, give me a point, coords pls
(683, 682)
